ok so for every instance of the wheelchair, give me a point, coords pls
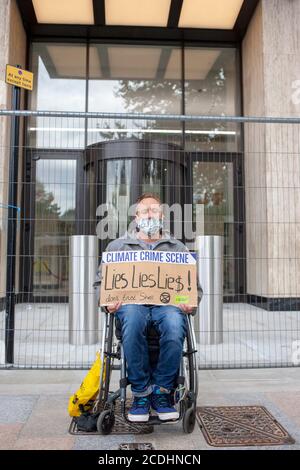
(185, 388)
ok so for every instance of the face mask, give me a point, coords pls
(150, 226)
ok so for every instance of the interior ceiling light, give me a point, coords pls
(210, 14)
(64, 11)
(137, 12)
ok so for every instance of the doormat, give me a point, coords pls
(226, 426)
(120, 427)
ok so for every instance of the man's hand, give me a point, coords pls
(185, 308)
(113, 308)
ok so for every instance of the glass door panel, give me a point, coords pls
(55, 202)
(213, 186)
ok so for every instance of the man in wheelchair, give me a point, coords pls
(150, 389)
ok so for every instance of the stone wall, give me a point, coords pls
(271, 68)
(12, 51)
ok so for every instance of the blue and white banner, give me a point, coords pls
(171, 257)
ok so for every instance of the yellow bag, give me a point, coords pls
(85, 396)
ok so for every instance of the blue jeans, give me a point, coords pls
(171, 324)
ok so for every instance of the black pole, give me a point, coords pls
(12, 230)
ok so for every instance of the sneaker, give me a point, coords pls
(139, 410)
(161, 403)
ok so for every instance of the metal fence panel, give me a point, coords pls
(79, 174)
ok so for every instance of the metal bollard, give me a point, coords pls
(83, 308)
(210, 272)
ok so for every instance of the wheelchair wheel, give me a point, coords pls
(189, 419)
(105, 422)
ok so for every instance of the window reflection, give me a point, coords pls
(139, 79)
(211, 90)
(210, 81)
(60, 83)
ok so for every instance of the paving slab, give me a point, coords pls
(39, 420)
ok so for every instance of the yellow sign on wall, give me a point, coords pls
(19, 77)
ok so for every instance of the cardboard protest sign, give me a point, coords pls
(149, 277)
